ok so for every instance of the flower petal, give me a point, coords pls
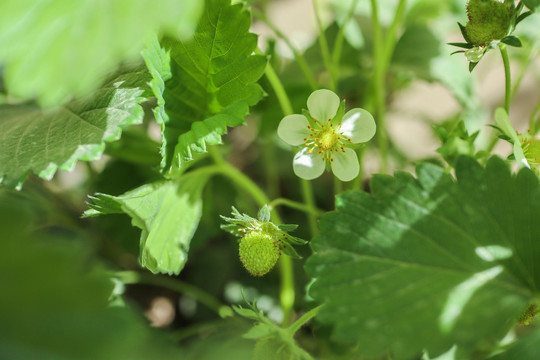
(293, 129)
(308, 165)
(345, 165)
(323, 104)
(358, 125)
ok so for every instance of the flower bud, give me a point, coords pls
(259, 252)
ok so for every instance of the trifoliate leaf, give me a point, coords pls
(53, 50)
(430, 262)
(41, 141)
(168, 214)
(207, 84)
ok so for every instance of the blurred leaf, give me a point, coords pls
(427, 263)
(415, 49)
(525, 348)
(42, 141)
(206, 84)
(54, 302)
(168, 214)
(53, 50)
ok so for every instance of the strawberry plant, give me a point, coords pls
(370, 218)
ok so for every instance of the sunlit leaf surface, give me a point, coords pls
(429, 262)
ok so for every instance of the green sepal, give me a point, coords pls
(287, 227)
(464, 32)
(472, 65)
(462, 45)
(339, 114)
(294, 240)
(308, 116)
(523, 16)
(512, 41)
(247, 313)
(458, 52)
(287, 249)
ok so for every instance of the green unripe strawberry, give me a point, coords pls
(488, 20)
(259, 252)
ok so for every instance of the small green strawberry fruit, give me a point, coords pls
(259, 252)
(488, 20)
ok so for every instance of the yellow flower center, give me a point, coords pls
(326, 139)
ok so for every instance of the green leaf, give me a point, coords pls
(53, 50)
(525, 348)
(41, 141)
(58, 306)
(416, 48)
(534, 5)
(168, 214)
(207, 84)
(430, 262)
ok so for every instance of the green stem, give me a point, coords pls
(287, 293)
(281, 94)
(324, 47)
(391, 37)
(300, 60)
(529, 59)
(358, 181)
(507, 93)
(134, 277)
(379, 86)
(533, 122)
(297, 206)
(304, 319)
(271, 169)
(286, 108)
(309, 200)
(338, 45)
(507, 77)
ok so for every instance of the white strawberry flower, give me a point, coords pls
(327, 134)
